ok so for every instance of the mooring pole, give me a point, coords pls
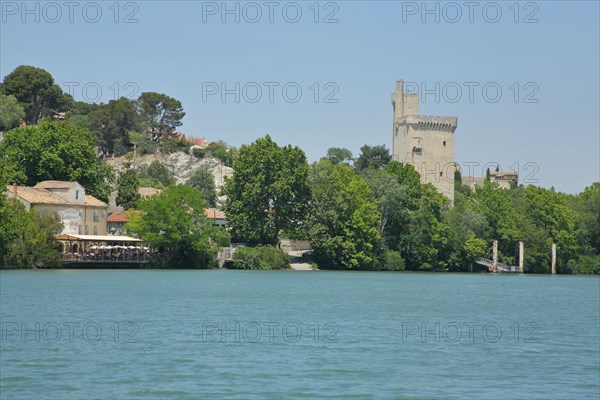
(521, 254)
(553, 258)
(495, 256)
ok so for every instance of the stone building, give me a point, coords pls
(426, 142)
(504, 179)
(80, 214)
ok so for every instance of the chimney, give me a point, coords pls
(14, 190)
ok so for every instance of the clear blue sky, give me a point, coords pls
(182, 48)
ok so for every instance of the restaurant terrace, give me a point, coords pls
(102, 249)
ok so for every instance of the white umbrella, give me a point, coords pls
(94, 247)
(132, 247)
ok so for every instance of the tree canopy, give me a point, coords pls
(11, 113)
(372, 157)
(54, 151)
(204, 181)
(174, 223)
(344, 220)
(35, 90)
(160, 113)
(268, 192)
(128, 185)
(339, 155)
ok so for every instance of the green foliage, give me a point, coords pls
(160, 114)
(219, 150)
(11, 113)
(173, 222)
(171, 145)
(263, 257)
(391, 198)
(36, 92)
(155, 175)
(474, 248)
(54, 151)
(142, 143)
(111, 123)
(586, 264)
(339, 155)
(268, 192)
(425, 243)
(372, 157)
(26, 237)
(587, 205)
(204, 181)
(127, 189)
(343, 221)
(392, 261)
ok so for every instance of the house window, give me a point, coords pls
(77, 195)
(95, 230)
(87, 230)
(441, 173)
(96, 219)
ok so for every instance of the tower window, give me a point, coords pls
(77, 195)
(444, 143)
(441, 173)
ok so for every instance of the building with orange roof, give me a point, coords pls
(216, 216)
(79, 212)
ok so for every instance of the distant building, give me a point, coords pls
(426, 142)
(115, 223)
(200, 142)
(217, 217)
(503, 179)
(80, 214)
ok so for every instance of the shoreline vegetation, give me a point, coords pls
(366, 213)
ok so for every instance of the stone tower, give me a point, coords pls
(426, 142)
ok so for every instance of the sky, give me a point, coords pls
(521, 77)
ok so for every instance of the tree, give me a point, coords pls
(173, 222)
(155, 175)
(27, 238)
(221, 151)
(391, 199)
(127, 189)
(339, 155)
(54, 151)
(424, 245)
(372, 157)
(35, 90)
(204, 181)
(268, 192)
(550, 219)
(11, 113)
(587, 205)
(160, 113)
(343, 221)
(112, 123)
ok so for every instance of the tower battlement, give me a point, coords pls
(424, 141)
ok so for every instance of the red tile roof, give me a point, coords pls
(213, 213)
(117, 216)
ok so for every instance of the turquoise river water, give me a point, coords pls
(216, 334)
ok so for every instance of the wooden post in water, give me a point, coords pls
(521, 255)
(553, 269)
(495, 256)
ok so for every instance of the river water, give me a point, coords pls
(156, 334)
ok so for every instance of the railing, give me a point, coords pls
(106, 258)
(500, 267)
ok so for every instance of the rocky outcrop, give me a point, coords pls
(181, 165)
